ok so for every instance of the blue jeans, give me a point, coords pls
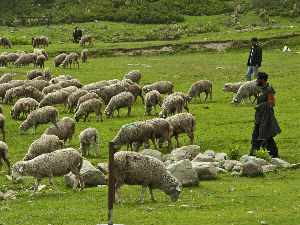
(251, 69)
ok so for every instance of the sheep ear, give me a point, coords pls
(21, 169)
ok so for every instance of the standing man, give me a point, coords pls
(266, 126)
(255, 58)
(75, 34)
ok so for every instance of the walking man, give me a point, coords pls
(255, 59)
(266, 126)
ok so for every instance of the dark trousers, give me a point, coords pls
(268, 143)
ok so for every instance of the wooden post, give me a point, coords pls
(111, 183)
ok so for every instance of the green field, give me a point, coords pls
(273, 198)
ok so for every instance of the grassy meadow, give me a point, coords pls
(221, 127)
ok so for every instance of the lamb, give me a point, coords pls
(248, 89)
(54, 98)
(232, 87)
(134, 76)
(59, 59)
(162, 87)
(51, 88)
(74, 97)
(71, 58)
(45, 144)
(40, 61)
(7, 77)
(23, 105)
(72, 82)
(50, 165)
(86, 138)
(4, 156)
(37, 41)
(152, 99)
(198, 87)
(182, 123)
(99, 84)
(171, 105)
(84, 55)
(184, 96)
(31, 74)
(32, 92)
(86, 38)
(47, 74)
(122, 100)
(63, 129)
(107, 92)
(139, 132)
(136, 169)
(85, 108)
(40, 116)
(3, 61)
(5, 42)
(3, 126)
(84, 98)
(3, 88)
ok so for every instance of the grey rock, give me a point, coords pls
(103, 167)
(269, 168)
(221, 170)
(280, 163)
(210, 153)
(207, 172)
(229, 164)
(201, 164)
(234, 173)
(91, 175)
(237, 168)
(186, 152)
(252, 169)
(9, 194)
(169, 159)
(153, 153)
(247, 158)
(1, 195)
(203, 158)
(184, 172)
(220, 156)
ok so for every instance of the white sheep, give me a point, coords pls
(38, 84)
(71, 58)
(136, 169)
(5, 78)
(23, 105)
(40, 61)
(72, 82)
(181, 94)
(232, 87)
(59, 59)
(86, 38)
(248, 89)
(84, 55)
(134, 76)
(51, 88)
(86, 138)
(45, 144)
(37, 41)
(171, 105)
(107, 92)
(5, 42)
(122, 100)
(12, 57)
(63, 129)
(32, 92)
(3, 88)
(4, 156)
(40, 52)
(3, 61)
(84, 98)
(74, 97)
(152, 99)
(85, 108)
(47, 74)
(53, 98)
(31, 74)
(40, 116)
(26, 59)
(54, 164)
(99, 84)
(60, 78)
(198, 87)
(162, 87)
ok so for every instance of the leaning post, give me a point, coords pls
(111, 183)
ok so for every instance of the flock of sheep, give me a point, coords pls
(37, 96)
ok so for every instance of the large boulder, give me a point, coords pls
(248, 158)
(203, 158)
(206, 171)
(184, 172)
(229, 164)
(280, 163)
(153, 153)
(186, 152)
(269, 168)
(251, 169)
(91, 175)
(103, 167)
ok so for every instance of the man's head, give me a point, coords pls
(261, 78)
(253, 41)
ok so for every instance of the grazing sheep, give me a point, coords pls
(37, 41)
(182, 123)
(84, 98)
(84, 55)
(86, 138)
(99, 84)
(152, 99)
(3, 88)
(184, 96)
(3, 60)
(171, 105)
(63, 129)
(162, 87)
(12, 57)
(40, 61)
(107, 92)
(47, 74)
(86, 38)
(4, 156)
(74, 97)
(26, 59)
(248, 89)
(17, 83)
(51, 88)
(72, 82)
(198, 87)
(71, 58)
(7, 77)
(3, 126)
(32, 92)
(45, 144)
(40, 116)
(135, 169)
(23, 105)
(38, 84)
(139, 132)
(8, 98)
(232, 87)
(53, 98)
(70, 89)
(59, 59)
(122, 100)
(40, 52)
(60, 78)
(50, 165)
(14, 93)
(31, 74)
(134, 76)
(136, 90)
(5, 42)
(85, 108)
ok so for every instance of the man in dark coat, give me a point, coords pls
(76, 34)
(254, 59)
(266, 126)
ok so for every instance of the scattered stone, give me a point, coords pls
(252, 169)
(237, 168)
(269, 168)
(207, 172)
(229, 164)
(9, 194)
(250, 211)
(91, 175)
(186, 152)
(234, 173)
(169, 159)
(5, 209)
(203, 158)
(263, 223)
(41, 187)
(220, 157)
(221, 170)
(210, 153)
(153, 153)
(103, 167)
(184, 172)
(1, 195)
(247, 158)
(8, 177)
(280, 163)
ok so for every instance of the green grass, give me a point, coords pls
(273, 198)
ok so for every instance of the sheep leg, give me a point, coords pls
(176, 137)
(151, 193)
(96, 149)
(118, 192)
(170, 144)
(160, 142)
(129, 110)
(84, 118)
(153, 141)
(65, 106)
(33, 130)
(70, 139)
(199, 97)
(118, 110)
(51, 182)
(5, 158)
(154, 114)
(88, 116)
(78, 179)
(144, 187)
(37, 182)
(77, 64)
(191, 136)
(100, 115)
(3, 132)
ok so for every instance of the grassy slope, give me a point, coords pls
(273, 198)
